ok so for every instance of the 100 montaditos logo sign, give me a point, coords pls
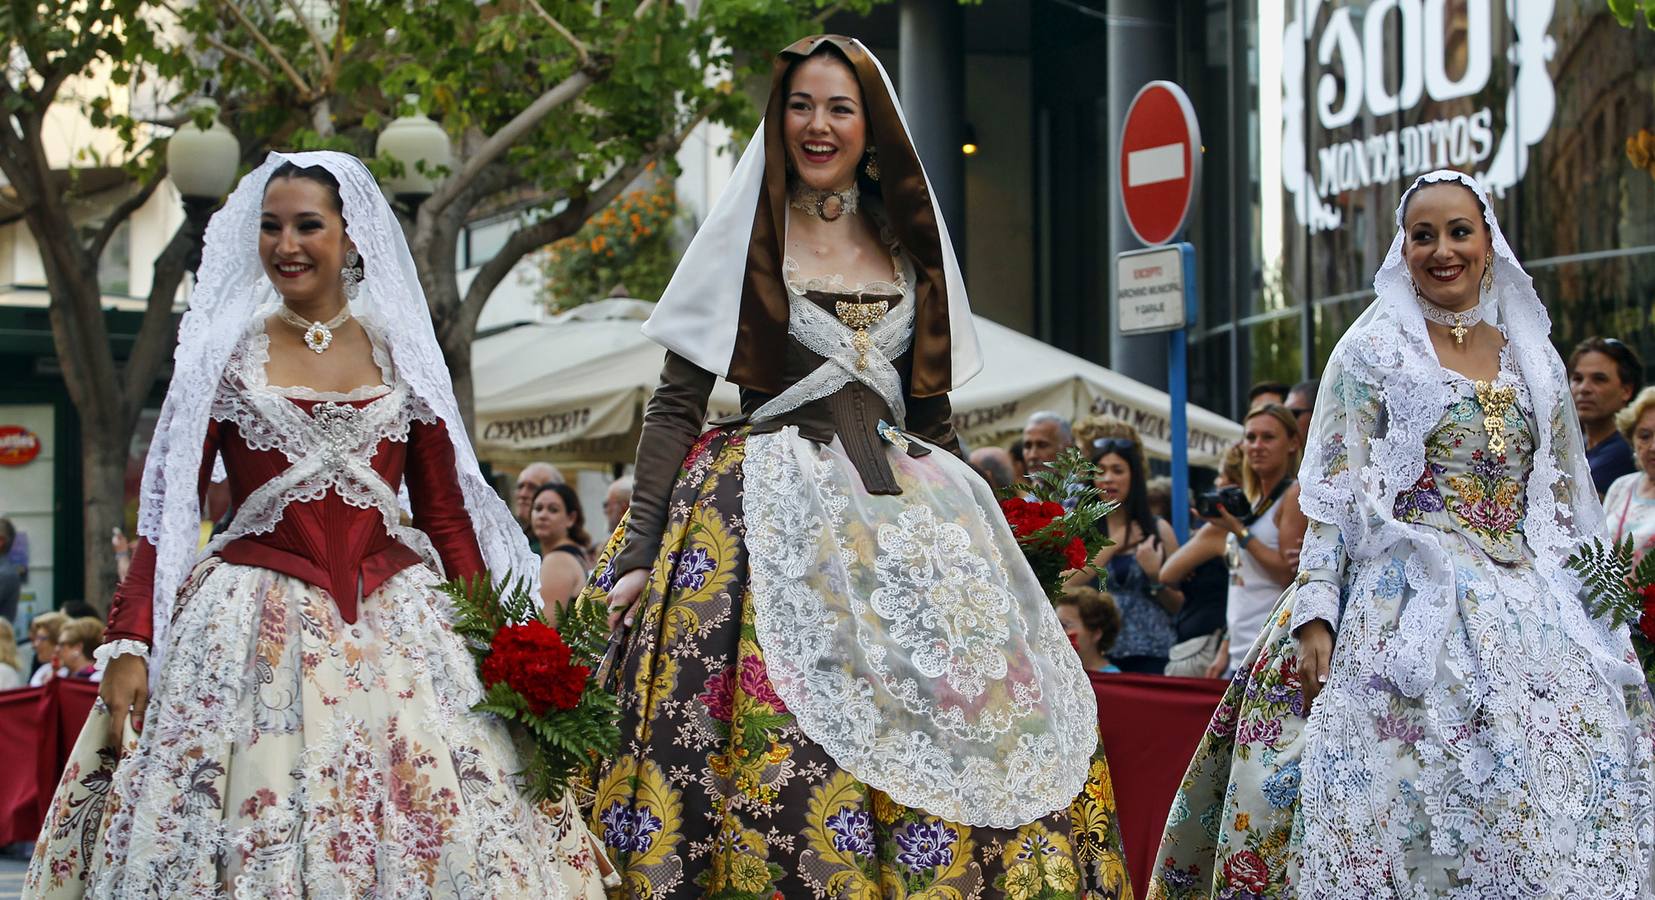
(1360, 39)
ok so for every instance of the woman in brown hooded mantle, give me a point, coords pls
(841, 677)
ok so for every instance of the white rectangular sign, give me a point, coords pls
(1155, 165)
(1149, 290)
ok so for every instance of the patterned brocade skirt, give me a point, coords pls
(718, 793)
(289, 754)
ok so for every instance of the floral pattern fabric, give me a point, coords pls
(717, 793)
(288, 754)
(1521, 771)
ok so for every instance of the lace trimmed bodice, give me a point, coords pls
(1469, 487)
(314, 480)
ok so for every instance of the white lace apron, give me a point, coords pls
(905, 632)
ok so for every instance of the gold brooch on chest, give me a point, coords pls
(859, 317)
(1496, 402)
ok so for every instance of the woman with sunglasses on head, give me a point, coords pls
(1260, 539)
(1434, 709)
(1130, 566)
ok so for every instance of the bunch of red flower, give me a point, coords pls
(1646, 621)
(1030, 521)
(533, 660)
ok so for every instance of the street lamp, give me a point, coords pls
(421, 146)
(202, 164)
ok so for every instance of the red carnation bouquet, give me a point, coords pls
(537, 678)
(1624, 588)
(1058, 527)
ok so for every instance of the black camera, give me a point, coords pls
(1234, 499)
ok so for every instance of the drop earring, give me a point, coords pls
(350, 280)
(872, 168)
(1488, 273)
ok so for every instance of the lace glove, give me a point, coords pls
(109, 651)
(1321, 572)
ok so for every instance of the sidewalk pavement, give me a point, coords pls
(12, 868)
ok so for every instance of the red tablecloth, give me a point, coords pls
(1151, 725)
(38, 728)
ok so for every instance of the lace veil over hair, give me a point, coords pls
(232, 291)
(1387, 354)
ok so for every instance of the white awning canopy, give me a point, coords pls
(572, 390)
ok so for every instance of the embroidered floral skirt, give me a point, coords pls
(287, 754)
(1229, 832)
(718, 793)
(1520, 772)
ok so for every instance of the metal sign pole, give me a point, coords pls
(1178, 388)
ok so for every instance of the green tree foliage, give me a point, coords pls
(1627, 11)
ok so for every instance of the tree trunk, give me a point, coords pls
(103, 478)
(455, 339)
(465, 390)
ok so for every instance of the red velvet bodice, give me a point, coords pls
(337, 546)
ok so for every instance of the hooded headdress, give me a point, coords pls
(726, 307)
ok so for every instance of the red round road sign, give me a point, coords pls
(1159, 162)
(18, 445)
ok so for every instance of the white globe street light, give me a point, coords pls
(421, 146)
(202, 164)
(202, 161)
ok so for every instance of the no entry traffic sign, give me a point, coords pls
(1160, 162)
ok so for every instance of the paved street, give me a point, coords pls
(11, 876)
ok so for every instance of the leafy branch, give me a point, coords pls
(1627, 11)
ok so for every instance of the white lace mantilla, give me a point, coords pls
(908, 637)
(330, 448)
(232, 293)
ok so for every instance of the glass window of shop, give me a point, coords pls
(1536, 99)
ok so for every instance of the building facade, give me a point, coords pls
(1316, 115)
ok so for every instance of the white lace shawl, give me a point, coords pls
(231, 289)
(1382, 393)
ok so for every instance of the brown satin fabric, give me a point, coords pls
(761, 336)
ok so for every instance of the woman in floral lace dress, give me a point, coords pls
(1475, 731)
(842, 680)
(290, 715)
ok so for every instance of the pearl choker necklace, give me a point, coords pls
(318, 335)
(824, 205)
(1458, 323)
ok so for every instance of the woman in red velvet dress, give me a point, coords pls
(288, 714)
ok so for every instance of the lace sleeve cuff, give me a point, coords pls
(109, 651)
(1316, 598)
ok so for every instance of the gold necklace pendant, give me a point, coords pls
(1458, 331)
(1496, 402)
(860, 317)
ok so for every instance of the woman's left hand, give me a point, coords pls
(1150, 556)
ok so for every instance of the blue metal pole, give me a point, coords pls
(1178, 388)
